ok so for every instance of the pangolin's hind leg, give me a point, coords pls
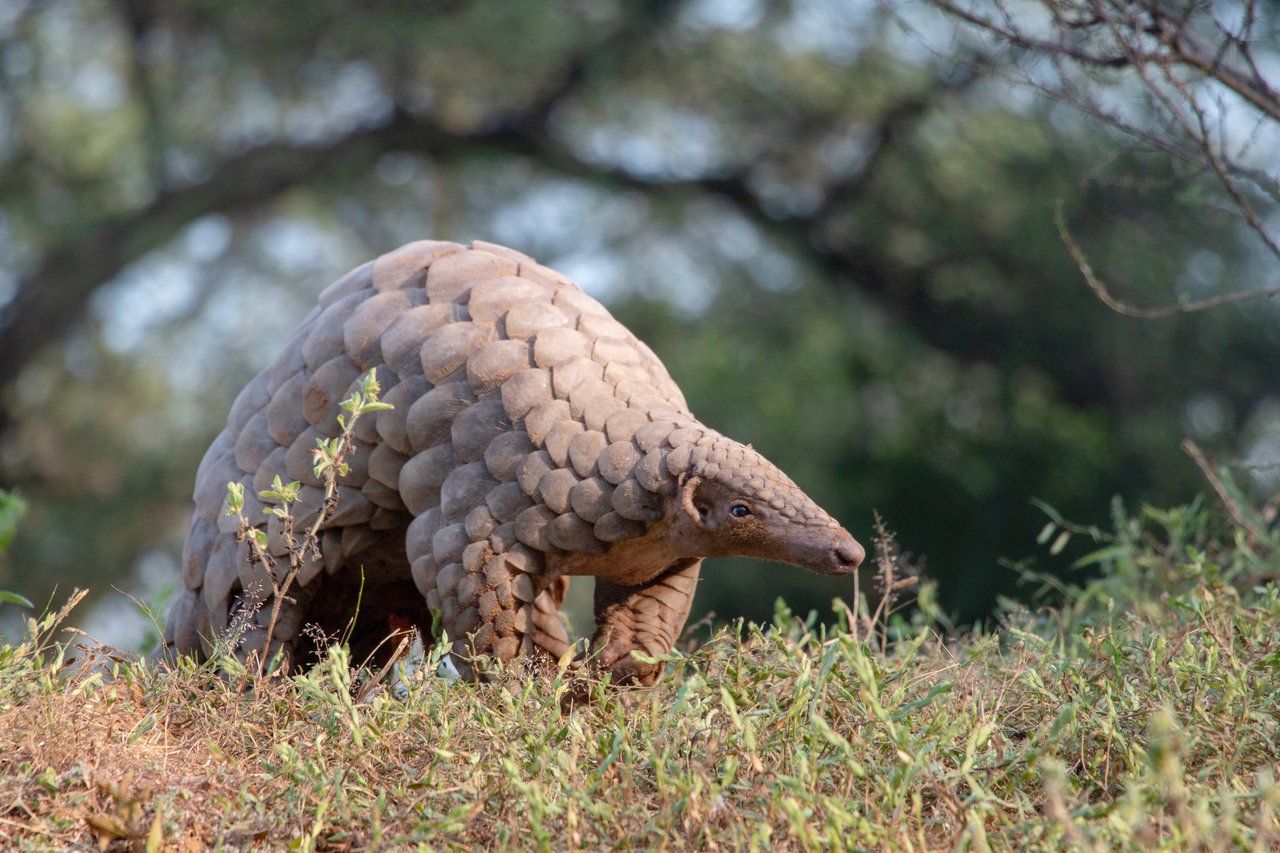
(646, 618)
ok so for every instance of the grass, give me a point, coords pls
(1141, 712)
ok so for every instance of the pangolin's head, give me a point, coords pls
(734, 502)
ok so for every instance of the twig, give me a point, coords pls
(1101, 291)
(1257, 540)
(406, 640)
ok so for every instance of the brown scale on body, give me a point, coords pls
(533, 438)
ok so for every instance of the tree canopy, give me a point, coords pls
(841, 225)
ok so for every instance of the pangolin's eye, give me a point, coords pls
(739, 510)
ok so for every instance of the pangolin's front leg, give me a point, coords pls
(646, 618)
(546, 626)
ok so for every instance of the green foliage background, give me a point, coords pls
(838, 237)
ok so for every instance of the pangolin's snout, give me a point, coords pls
(846, 556)
(832, 552)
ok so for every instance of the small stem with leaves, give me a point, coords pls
(329, 460)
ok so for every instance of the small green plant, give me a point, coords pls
(12, 508)
(895, 576)
(329, 459)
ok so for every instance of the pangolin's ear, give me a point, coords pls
(694, 508)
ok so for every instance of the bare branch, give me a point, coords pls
(1106, 297)
(1253, 87)
(1256, 538)
(1196, 129)
(1021, 40)
(1194, 70)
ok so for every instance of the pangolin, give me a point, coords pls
(532, 438)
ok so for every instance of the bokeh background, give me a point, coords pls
(833, 220)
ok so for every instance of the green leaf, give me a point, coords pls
(1065, 716)
(235, 498)
(1046, 532)
(1102, 555)
(12, 508)
(369, 384)
(284, 492)
(7, 597)
(1060, 542)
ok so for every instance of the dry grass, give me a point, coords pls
(1142, 713)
